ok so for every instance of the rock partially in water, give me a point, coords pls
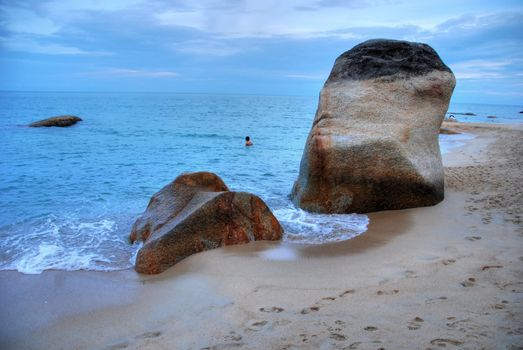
(374, 141)
(197, 212)
(60, 121)
(491, 117)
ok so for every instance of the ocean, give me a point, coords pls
(69, 196)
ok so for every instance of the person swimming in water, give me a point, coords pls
(248, 141)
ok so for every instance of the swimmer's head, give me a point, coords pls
(247, 138)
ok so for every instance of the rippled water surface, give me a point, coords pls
(70, 195)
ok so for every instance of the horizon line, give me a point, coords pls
(206, 93)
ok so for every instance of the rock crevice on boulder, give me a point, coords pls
(197, 212)
(374, 140)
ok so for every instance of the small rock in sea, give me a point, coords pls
(197, 212)
(60, 121)
(491, 116)
(521, 112)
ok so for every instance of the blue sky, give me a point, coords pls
(248, 46)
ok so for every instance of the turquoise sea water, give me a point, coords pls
(68, 196)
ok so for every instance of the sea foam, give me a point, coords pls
(312, 228)
(65, 244)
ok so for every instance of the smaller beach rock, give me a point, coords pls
(60, 121)
(491, 117)
(197, 212)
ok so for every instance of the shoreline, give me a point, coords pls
(448, 275)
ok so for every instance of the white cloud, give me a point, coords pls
(299, 18)
(207, 48)
(464, 75)
(24, 44)
(481, 69)
(191, 19)
(307, 76)
(20, 20)
(62, 7)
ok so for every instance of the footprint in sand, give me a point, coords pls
(370, 328)
(415, 323)
(456, 323)
(358, 343)
(322, 302)
(435, 300)
(516, 331)
(338, 337)
(275, 309)
(469, 282)
(448, 261)
(410, 274)
(310, 309)
(473, 238)
(118, 346)
(233, 336)
(148, 335)
(125, 344)
(325, 301)
(443, 342)
(225, 346)
(346, 292)
(389, 292)
(304, 338)
(256, 325)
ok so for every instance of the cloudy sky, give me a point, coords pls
(248, 46)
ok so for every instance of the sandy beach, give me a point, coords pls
(448, 276)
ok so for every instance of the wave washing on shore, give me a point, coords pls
(70, 196)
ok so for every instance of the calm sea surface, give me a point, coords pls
(68, 196)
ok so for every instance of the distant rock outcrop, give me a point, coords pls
(61, 121)
(374, 141)
(460, 113)
(197, 212)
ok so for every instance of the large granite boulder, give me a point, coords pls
(61, 121)
(197, 212)
(374, 141)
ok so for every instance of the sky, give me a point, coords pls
(272, 47)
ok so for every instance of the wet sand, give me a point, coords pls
(444, 276)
